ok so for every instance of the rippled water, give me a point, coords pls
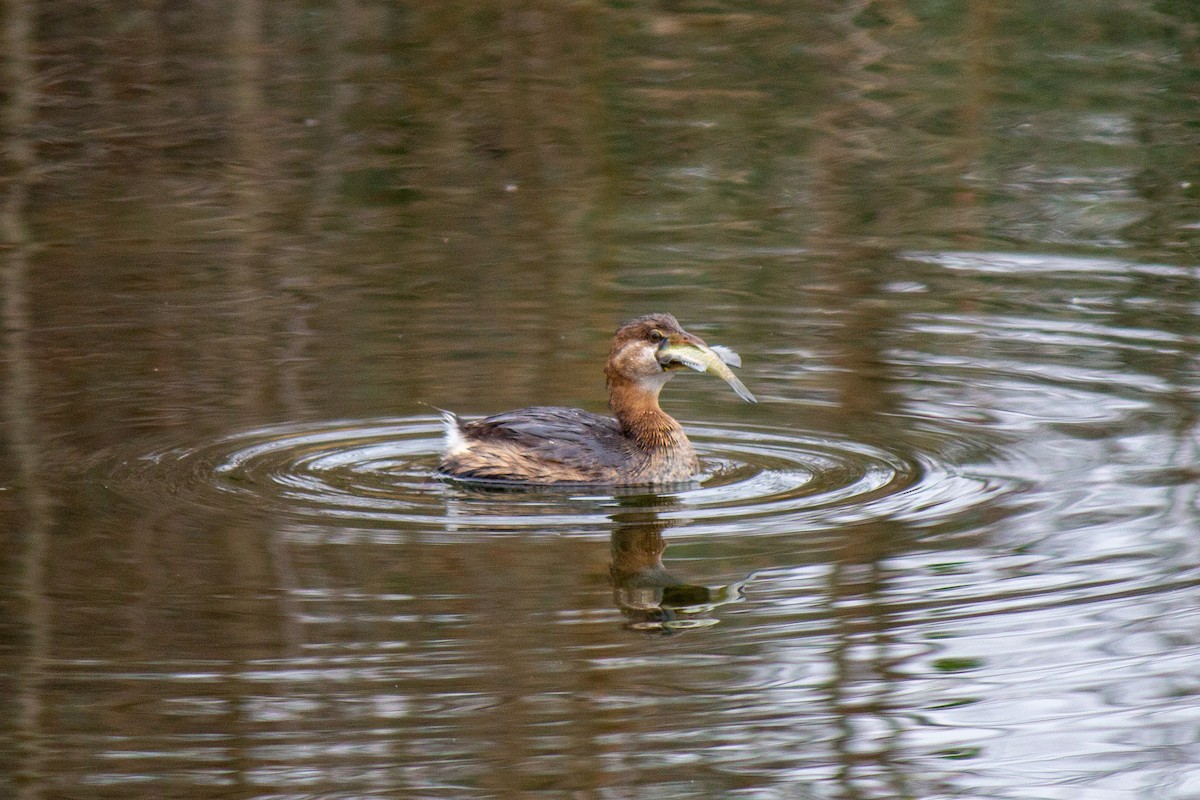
(952, 553)
(988, 581)
(753, 480)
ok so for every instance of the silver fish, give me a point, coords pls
(709, 359)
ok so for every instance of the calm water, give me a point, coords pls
(248, 249)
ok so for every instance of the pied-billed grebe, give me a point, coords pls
(642, 445)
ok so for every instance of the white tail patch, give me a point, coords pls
(455, 441)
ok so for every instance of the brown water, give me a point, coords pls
(953, 551)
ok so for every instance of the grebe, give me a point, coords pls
(641, 445)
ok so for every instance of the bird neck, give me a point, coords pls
(636, 408)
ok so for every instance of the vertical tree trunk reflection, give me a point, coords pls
(32, 523)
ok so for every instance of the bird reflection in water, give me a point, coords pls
(651, 599)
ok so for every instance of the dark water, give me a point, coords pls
(249, 248)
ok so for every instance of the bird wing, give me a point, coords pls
(563, 435)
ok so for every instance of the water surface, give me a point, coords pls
(951, 553)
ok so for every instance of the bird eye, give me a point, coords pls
(656, 336)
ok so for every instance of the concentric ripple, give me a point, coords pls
(374, 473)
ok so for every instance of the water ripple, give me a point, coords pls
(368, 473)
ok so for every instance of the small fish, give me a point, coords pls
(706, 359)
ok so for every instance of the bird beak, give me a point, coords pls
(673, 345)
